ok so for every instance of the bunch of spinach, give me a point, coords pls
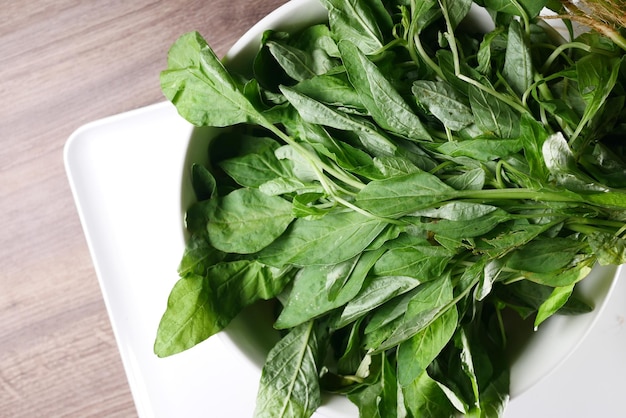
(397, 182)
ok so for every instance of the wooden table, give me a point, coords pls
(64, 63)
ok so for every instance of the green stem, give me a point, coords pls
(595, 221)
(499, 178)
(451, 39)
(518, 194)
(313, 159)
(417, 43)
(520, 108)
(587, 229)
(559, 50)
(366, 213)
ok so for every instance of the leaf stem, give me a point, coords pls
(450, 37)
(424, 56)
(520, 108)
(313, 158)
(518, 194)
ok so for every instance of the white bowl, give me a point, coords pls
(535, 355)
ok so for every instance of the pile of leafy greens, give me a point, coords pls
(398, 182)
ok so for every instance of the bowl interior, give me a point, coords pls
(534, 355)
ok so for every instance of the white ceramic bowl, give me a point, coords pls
(535, 354)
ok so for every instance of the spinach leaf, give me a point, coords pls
(596, 76)
(375, 292)
(481, 149)
(202, 305)
(426, 307)
(543, 255)
(383, 102)
(309, 296)
(550, 306)
(203, 91)
(492, 115)
(440, 99)
(425, 397)
(423, 263)
(531, 7)
(362, 22)
(609, 249)
(334, 238)
(304, 55)
(416, 353)
(198, 256)
(247, 220)
(401, 195)
(332, 90)
(518, 67)
(289, 384)
(257, 162)
(315, 112)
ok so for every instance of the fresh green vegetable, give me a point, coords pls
(397, 182)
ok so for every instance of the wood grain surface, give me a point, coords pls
(64, 63)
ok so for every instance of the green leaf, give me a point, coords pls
(518, 68)
(313, 111)
(565, 276)
(489, 50)
(304, 54)
(201, 88)
(204, 184)
(295, 62)
(544, 255)
(533, 135)
(398, 196)
(467, 364)
(550, 306)
(379, 96)
(426, 306)
(561, 162)
(421, 262)
(334, 238)
(289, 386)
(530, 7)
(256, 162)
(443, 101)
(361, 21)
(337, 276)
(416, 353)
(481, 149)
(492, 115)
(609, 249)
(596, 75)
(309, 299)
(456, 10)
(466, 228)
(351, 358)
(513, 238)
(424, 397)
(199, 255)
(332, 90)
(457, 211)
(247, 220)
(390, 311)
(200, 306)
(375, 292)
